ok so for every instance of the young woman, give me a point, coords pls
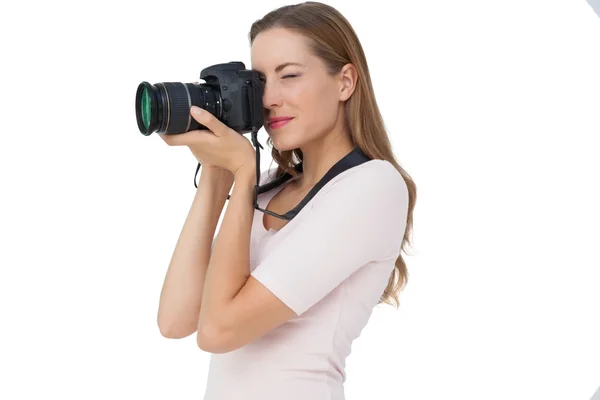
(279, 302)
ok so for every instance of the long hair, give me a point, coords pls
(333, 40)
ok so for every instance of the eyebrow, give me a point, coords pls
(282, 66)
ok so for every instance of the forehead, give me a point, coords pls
(278, 46)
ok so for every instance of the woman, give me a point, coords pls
(278, 302)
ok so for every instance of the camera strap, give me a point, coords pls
(352, 159)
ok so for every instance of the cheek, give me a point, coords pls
(317, 108)
(322, 109)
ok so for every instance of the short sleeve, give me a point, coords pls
(357, 220)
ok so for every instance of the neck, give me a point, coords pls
(318, 157)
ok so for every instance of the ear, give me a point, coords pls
(348, 77)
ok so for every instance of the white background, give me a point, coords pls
(492, 107)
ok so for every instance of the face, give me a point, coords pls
(302, 90)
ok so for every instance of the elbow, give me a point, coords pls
(174, 331)
(212, 339)
(204, 344)
(212, 346)
(170, 334)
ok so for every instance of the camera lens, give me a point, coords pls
(165, 106)
(146, 113)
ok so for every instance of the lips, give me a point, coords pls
(279, 122)
(278, 119)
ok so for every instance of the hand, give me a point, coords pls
(205, 165)
(217, 146)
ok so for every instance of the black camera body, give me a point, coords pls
(231, 93)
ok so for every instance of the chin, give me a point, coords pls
(285, 145)
(284, 141)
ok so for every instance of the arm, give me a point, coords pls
(359, 220)
(229, 266)
(181, 294)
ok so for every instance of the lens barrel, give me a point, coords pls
(165, 106)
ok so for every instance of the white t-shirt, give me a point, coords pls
(330, 264)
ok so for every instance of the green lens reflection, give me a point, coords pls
(146, 108)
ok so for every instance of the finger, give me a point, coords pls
(166, 138)
(191, 137)
(209, 120)
(171, 140)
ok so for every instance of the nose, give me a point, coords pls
(271, 96)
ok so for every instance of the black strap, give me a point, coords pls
(352, 159)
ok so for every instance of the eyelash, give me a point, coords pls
(283, 77)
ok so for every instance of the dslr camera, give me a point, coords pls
(231, 93)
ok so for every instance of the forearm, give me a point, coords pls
(229, 266)
(181, 295)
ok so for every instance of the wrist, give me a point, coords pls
(247, 172)
(220, 176)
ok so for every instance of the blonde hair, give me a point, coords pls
(334, 41)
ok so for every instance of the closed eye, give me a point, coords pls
(283, 77)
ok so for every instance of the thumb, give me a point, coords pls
(207, 119)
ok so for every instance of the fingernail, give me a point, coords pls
(196, 110)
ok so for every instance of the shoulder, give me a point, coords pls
(366, 205)
(370, 180)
